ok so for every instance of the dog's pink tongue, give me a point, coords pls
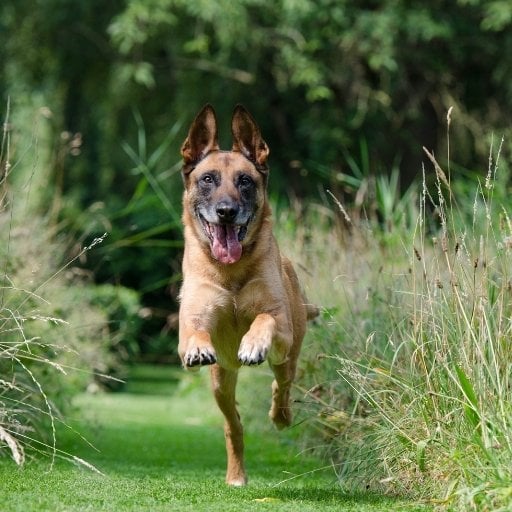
(225, 247)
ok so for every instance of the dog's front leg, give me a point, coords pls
(195, 345)
(195, 348)
(224, 385)
(196, 321)
(269, 335)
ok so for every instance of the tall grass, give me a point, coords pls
(52, 338)
(408, 374)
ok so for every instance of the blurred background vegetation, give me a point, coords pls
(344, 92)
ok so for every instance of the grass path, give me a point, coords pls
(160, 448)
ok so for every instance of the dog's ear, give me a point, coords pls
(247, 138)
(202, 138)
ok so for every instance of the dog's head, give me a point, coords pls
(225, 191)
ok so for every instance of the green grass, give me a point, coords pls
(159, 446)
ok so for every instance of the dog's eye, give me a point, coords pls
(207, 179)
(245, 181)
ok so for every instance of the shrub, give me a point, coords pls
(56, 330)
(406, 379)
(51, 338)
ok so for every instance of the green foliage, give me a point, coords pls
(52, 339)
(414, 328)
(388, 73)
(144, 235)
(121, 307)
(358, 67)
(58, 332)
(319, 76)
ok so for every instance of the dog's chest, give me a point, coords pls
(232, 320)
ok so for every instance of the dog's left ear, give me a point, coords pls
(247, 138)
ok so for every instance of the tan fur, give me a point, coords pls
(252, 308)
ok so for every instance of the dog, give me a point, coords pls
(240, 300)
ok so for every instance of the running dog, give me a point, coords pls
(241, 302)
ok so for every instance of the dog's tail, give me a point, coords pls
(312, 311)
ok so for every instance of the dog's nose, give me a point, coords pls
(227, 211)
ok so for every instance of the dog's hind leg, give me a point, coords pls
(280, 412)
(224, 387)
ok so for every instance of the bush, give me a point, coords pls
(57, 331)
(405, 380)
(51, 338)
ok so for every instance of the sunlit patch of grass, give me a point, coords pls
(161, 447)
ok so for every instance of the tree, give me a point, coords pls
(336, 86)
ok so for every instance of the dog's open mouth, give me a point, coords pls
(225, 240)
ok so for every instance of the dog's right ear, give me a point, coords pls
(202, 138)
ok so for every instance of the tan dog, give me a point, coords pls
(240, 301)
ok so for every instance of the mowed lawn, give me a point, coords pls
(159, 446)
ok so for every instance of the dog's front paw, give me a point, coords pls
(253, 351)
(199, 356)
